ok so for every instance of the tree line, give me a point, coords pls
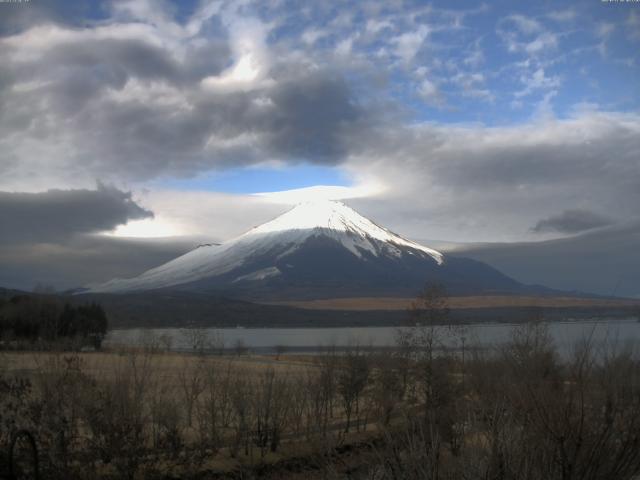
(31, 318)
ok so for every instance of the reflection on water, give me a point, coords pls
(618, 333)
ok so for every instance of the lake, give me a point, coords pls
(615, 332)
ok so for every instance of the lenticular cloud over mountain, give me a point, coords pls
(319, 249)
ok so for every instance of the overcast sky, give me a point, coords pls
(501, 122)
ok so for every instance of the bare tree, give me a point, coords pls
(216, 342)
(240, 347)
(191, 380)
(271, 407)
(215, 410)
(353, 376)
(427, 312)
(196, 339)
(280, 350)
(166, 342)
(115, 414)
(431, 306)
(388, 388)
(242, 414)
(166, 418)
(327, 388)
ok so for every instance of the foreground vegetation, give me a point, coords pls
(518, 412)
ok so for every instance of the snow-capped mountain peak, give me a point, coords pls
(264, 251)
(337, 217)
(319, 214)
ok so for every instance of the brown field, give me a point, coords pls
(489, 301)
(149, 377)
(168, 366)
(150, 413)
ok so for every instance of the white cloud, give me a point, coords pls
(252, 60)
(566, 15)
(475, 57)
(375, 26)
(538, 80)
(604, 29)
(343, 48)
(543, 42)
(323, 192)
(472, 85)
(633, 25)
(429, 92)
(311, 35)
(150, 228)
(522, 34)
(220, 216)
(408, 44)
(525, 24)
(201, 214)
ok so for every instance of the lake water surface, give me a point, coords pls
(615, 332)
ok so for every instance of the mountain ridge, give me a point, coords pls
(317, 249)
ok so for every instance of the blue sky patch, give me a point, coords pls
(262, 179)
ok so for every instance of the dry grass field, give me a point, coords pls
(168, 366)
(180, 413)
(409, 414)
(489, 301)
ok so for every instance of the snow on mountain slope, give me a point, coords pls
(337, 217)
(280, 237)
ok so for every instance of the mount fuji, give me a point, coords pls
(319, 249)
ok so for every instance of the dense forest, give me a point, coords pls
(31, 318)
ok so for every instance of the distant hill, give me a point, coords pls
(9, 292)
(166, 308)
(183, 309)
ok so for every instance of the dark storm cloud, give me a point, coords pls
(18, 16)
(87, 67)
(308, 118)
(116, 60)
(139, 112)
(78, 73)
(56, 215)
(128, 95)
(481, 182)
(311, 117)
(590, 145)
(572, 221)
(65, 266)
(604, 261)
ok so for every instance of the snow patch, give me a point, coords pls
(259, 275)
(337, 217)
